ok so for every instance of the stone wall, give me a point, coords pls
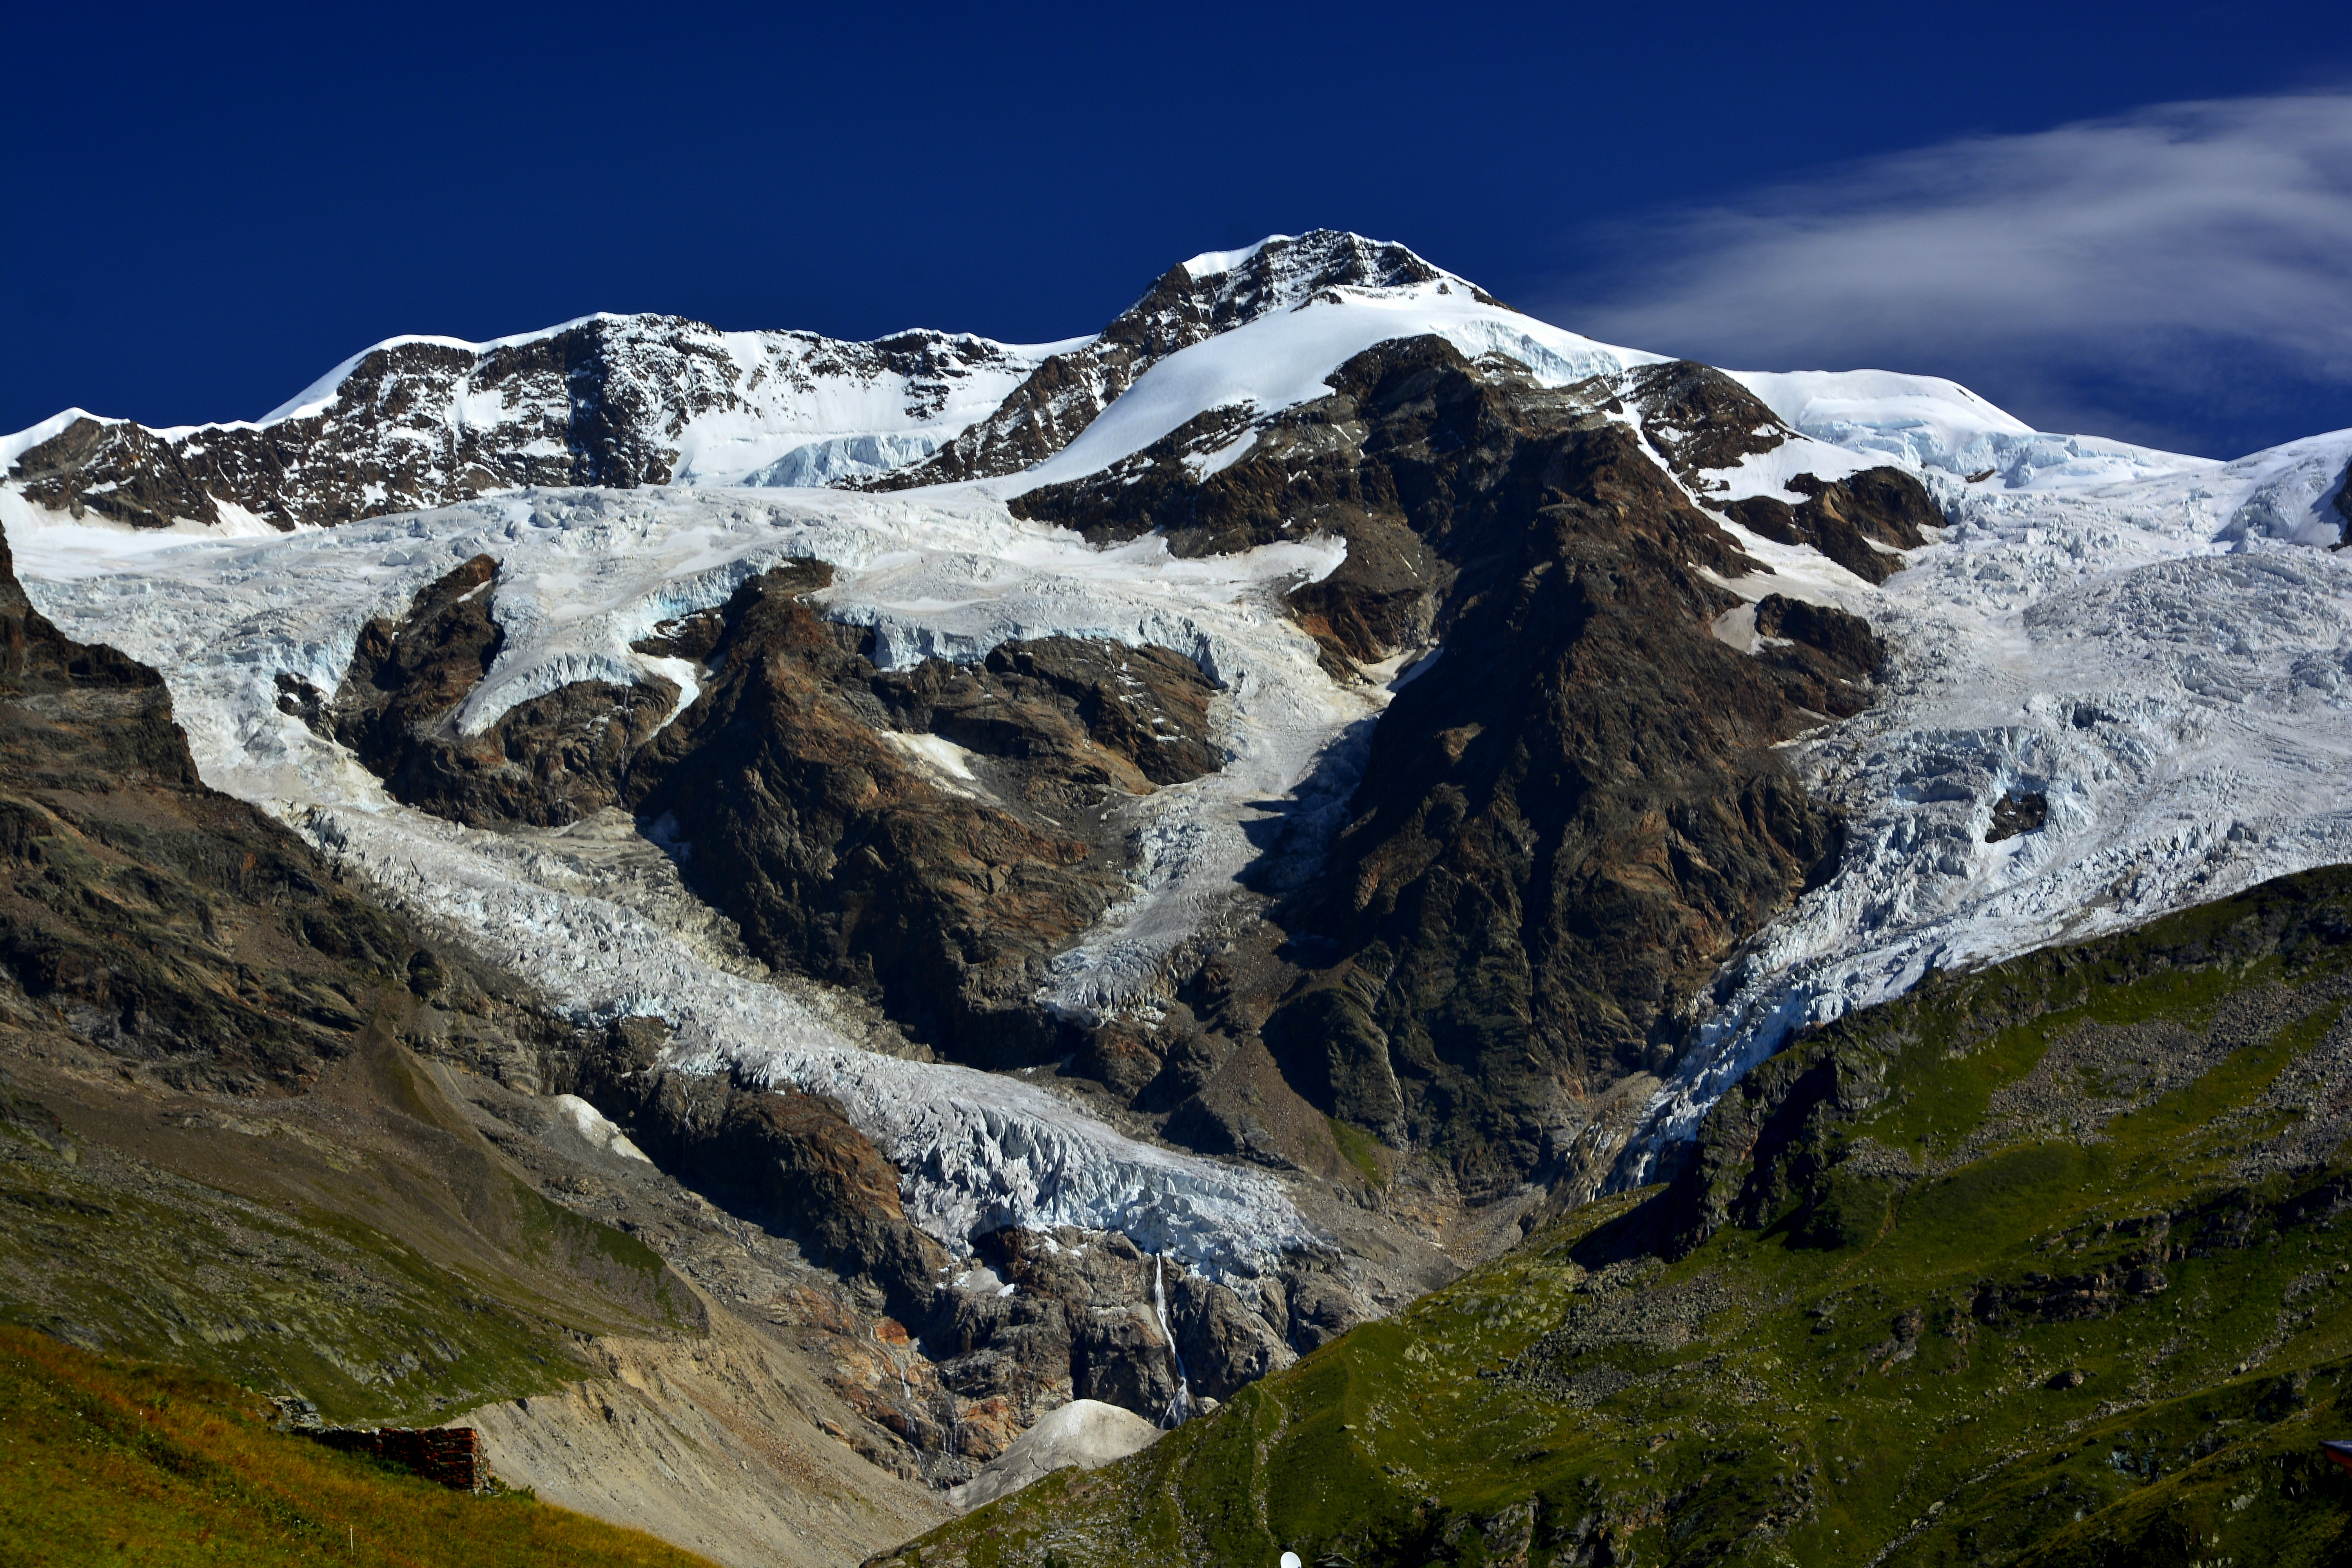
(450, 1455)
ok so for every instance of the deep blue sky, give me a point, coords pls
(209, 206)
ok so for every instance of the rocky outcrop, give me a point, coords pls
(1702, 423)
(786, 1160)
(423, 422)
(451, 1455)
(1700, 420)
(1184, 307)
(1049, 1316)
(1848, 519)
(547, 760)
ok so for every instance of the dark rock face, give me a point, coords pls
(1573, 814)
(846, 853)
(600, 403)
(789, 1162)
(158, 920)
(1828, 656)
(1091, 1297)
(2018, 811)
(1698, 418)
(547, 761)
(1227, 1345)
(1064, 395)
(1842, 519)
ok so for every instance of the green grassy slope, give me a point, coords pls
(105, 1461)
(2043, 1265)
(373, 1256)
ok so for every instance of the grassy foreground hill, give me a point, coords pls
(106, 1461)
(2045, 1264)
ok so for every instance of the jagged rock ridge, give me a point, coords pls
(615, 401)
(1573, 814)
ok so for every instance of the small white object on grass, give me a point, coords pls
(1291, 1560)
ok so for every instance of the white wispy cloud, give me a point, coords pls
(2141, 256)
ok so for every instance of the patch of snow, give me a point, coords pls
(1768, 473)
(816, 464)
(1215, 263)
(591, 1124)
(937, 751)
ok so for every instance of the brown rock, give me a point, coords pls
(845, 854)
(547, 760)
(1573, 811)
(790, 1162)
(1842, 519)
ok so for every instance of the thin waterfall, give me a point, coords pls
(906, 1389)
(1179, 1408)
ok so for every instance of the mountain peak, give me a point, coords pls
(1215, 292)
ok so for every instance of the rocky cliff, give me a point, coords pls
(1571, 812)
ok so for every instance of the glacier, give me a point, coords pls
(2153, 642)
(2165, 657)
(587, 572)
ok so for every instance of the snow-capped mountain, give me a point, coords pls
(1192, 302)
(612, 401)
(1566, 724)
(621, 401)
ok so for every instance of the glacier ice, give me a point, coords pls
(583, 572)
(2166, 658)
(2151, 641)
